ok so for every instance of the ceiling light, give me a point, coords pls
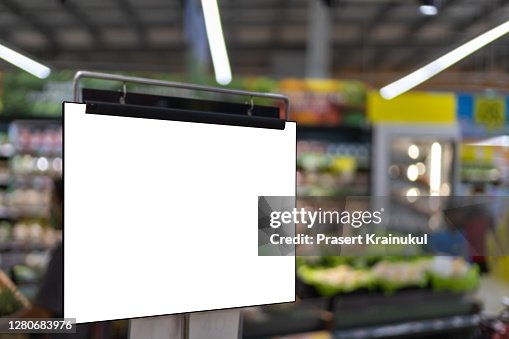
(23, 62)
(428, 9)
(413, 151)
(433, 68)
(216, 42)
(412, 173)
(500, 141)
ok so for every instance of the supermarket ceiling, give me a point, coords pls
(264, 37)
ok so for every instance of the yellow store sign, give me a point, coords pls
(413, 107)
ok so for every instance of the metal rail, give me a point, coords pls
(152, 82)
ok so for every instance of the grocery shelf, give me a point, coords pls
(275, 320)
(25, 185)
(333, 161)
(337, 194)
(482, 182)
(363, 316)
(22, 214)
(11, 260)
(38, 152)
(335, 133)
(385, 309)
(22, 246)
(464, 325)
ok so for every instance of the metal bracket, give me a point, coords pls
(152, 82)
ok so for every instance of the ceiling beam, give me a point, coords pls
(414, 29)
(368, 62)
(251, 47)
(140, 29)
(83, 20)
(380, 16)
(348, 58)
(5, 35)
(277, 25)
(495, 56)
(488, 10)
(232, 19)
(33, 20)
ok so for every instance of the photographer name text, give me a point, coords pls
(366, 239)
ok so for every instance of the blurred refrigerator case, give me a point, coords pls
(413, 164)
(411, 160)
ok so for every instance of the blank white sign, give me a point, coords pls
(161, 216)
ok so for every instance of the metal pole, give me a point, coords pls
(186, 322)
(152, 82)
(319, 44)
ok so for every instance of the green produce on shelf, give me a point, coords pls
(9, 303)
(334, 261)
(318, 191)
(5, 231)
(326, 261)
(359, 262)
(394, 275)
(364, 261)
(355, 119)
(394, 251)
(335, 280)
(314, 162)
(24, 273)
(310, 261)
(332, 275)
(454, 274)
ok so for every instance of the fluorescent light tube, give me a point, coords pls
(216, 42)
(23, 62)
(433, 68)
(435, 176)
(428, 9)
(500, 141)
